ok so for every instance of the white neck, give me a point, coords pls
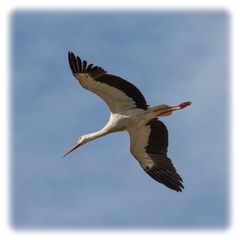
(98, 134)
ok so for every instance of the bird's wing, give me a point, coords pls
(119, 94)
(149, 146)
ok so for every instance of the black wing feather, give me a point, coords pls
(163, 170)
(79, 64)
(84, 66)
(72, 62)
(89, 67)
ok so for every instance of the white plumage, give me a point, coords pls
(129, 111)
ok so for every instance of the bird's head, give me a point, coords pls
(82, 140)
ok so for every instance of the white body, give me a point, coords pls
(134, 121)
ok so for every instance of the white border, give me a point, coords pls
(6, 232)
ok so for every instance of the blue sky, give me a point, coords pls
(171, 57)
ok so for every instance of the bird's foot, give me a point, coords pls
(183, 105)
(170, 109)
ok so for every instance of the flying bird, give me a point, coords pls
(130, 112)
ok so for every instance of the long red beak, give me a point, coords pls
(72, 149)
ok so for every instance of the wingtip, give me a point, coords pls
(70, 53)
(182, 188)
(178, 188)
(78, 65)
(72, 62)
(170, 179)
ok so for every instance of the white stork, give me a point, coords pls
(129, 111)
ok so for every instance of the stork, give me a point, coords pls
(130, 112)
